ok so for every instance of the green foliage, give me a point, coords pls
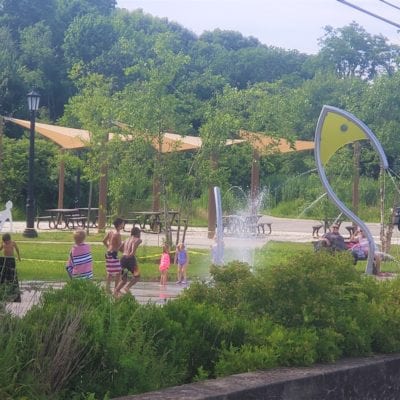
(14, 173)
(79, 343)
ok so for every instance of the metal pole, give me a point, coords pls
(30, 201)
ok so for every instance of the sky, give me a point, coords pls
(290, 24)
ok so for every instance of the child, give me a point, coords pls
(113, 242)
(182, 261)
(164, 265)
(80, 261)
(129, 262)
(8, 246)
(8, 273)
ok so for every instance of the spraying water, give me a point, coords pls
(241, 242)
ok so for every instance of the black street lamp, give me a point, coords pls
(33, 106)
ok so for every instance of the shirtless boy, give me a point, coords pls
(113, 242)
(8, 273)
(129, 262)
(8, 246)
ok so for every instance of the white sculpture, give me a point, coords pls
(5, 215)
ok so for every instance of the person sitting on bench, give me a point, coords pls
(332, 240)
(360, 251)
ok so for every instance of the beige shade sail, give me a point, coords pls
(267, 144)
(66, 138)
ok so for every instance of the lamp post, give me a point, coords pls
(33, 106)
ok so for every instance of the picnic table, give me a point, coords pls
(94, 215)
(326, 224)
(243, 223)
(62, 218)
(153, 219)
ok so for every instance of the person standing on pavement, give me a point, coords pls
(80, 261)
(113, 242)
(129, 262)
(165, 262)
(182, 261)
(8, 272)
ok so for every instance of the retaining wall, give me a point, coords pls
(369, 378)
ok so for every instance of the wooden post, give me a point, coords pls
(156, 193)
(103, 191)
(61, 181)
(102, 198)
(156, 177)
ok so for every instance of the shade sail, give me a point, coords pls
(66, 138)
(71, 138)
(268, 145)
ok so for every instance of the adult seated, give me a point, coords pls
(360, 251)
(332, 240)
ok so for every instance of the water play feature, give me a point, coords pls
(237, 232)
(335, 129)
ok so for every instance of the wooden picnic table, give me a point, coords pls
(241, 223)
(63, 218)
(154, 219)
(94, 215)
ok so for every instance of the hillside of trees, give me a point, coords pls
(96, 66)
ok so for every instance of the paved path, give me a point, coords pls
(144, 292)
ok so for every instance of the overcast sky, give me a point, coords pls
(291, 24)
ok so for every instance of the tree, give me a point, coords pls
(11, 83)
(351, 51)
(14, 172)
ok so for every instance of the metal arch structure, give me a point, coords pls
(219, 256)
(335, 129)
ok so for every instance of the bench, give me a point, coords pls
(351, 229)
(48, 218)
(326, 225)
(261, 227)
(315, 230)
(130, 221)
(78, 219)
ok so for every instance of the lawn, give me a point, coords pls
(44, 258)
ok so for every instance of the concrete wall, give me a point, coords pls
(369, 378)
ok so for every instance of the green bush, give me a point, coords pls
(79, 343)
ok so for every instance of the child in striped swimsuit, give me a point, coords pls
(113, 243)
(80, 262)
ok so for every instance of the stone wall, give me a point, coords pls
(369, 378)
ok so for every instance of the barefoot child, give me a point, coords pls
(80, 262)
(129, 262)
(9, 287)
(182, 261)
(113, 242)
(164, 265)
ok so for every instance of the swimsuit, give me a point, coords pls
(9, 287)
(164, 262)
(113, 265)
(80, 262)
